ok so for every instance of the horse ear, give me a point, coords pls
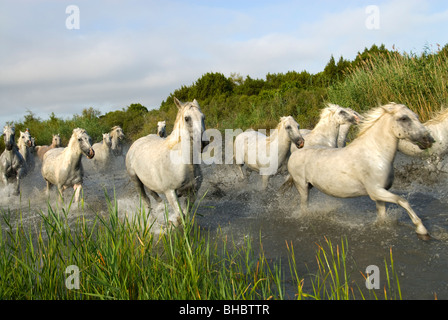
(178, 103)
(196, 103)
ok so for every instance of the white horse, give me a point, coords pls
(365, 167)
(102, 152)
(266, 155)
(158, 163)
(438, 127)
(62, 166)
(117, 136)
(327, 132)
(161, 129)
(25, 143)
(55, 143)
(12, 163)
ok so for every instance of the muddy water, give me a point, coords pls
(241, 210)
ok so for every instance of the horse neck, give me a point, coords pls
(23, 149)
(283, 142)
(342, 134)
(379, 139)
(72, 152)
(329, 129)
(175, 141)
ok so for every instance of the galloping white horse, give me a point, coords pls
(62, 166)
(161, 129)
(266, 154)
(365, 167)
(117, 136)
(12, 163)
(155, 163)
(327, 132)
(25, 144)
(102, 152)
(55, 143)
(438, 127)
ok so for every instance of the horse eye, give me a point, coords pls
(187, 118)
(404, 118)
(288, 127)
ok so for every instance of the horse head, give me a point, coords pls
(9, 133)
(344, 115)
(293, 130)
(107, 140)
(56, 141)
(191, 120)
(84, 142)
(406, 125)
(161, 129)
(25, 137)
(117, 135)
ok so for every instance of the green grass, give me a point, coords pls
(121, 258)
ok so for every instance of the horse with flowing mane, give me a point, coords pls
(327, 131)
(62, 166)
(103, 152)
(25, 144)
(365, 167)
(169, 165)
(117, 137)
(12, 164)
(264, 154)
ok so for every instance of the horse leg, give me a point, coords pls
(386, 196)
(304, 190)
(381, 209)
(17, 190)
(174, 202)
(141, 189)
(265, 181)
(77, 187)
(155, 195)
(243, 175)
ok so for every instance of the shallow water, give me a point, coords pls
(240, 209)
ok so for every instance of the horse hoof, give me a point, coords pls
(424, 237)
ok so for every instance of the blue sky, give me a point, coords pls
(141, 51)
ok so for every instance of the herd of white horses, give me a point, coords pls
(316, 158)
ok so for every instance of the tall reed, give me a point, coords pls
(418, 81)
(121, 257)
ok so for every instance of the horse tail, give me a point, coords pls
(287, 184)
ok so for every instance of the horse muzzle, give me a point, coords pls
(91, 153)
(425, 142)
(300, 143)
